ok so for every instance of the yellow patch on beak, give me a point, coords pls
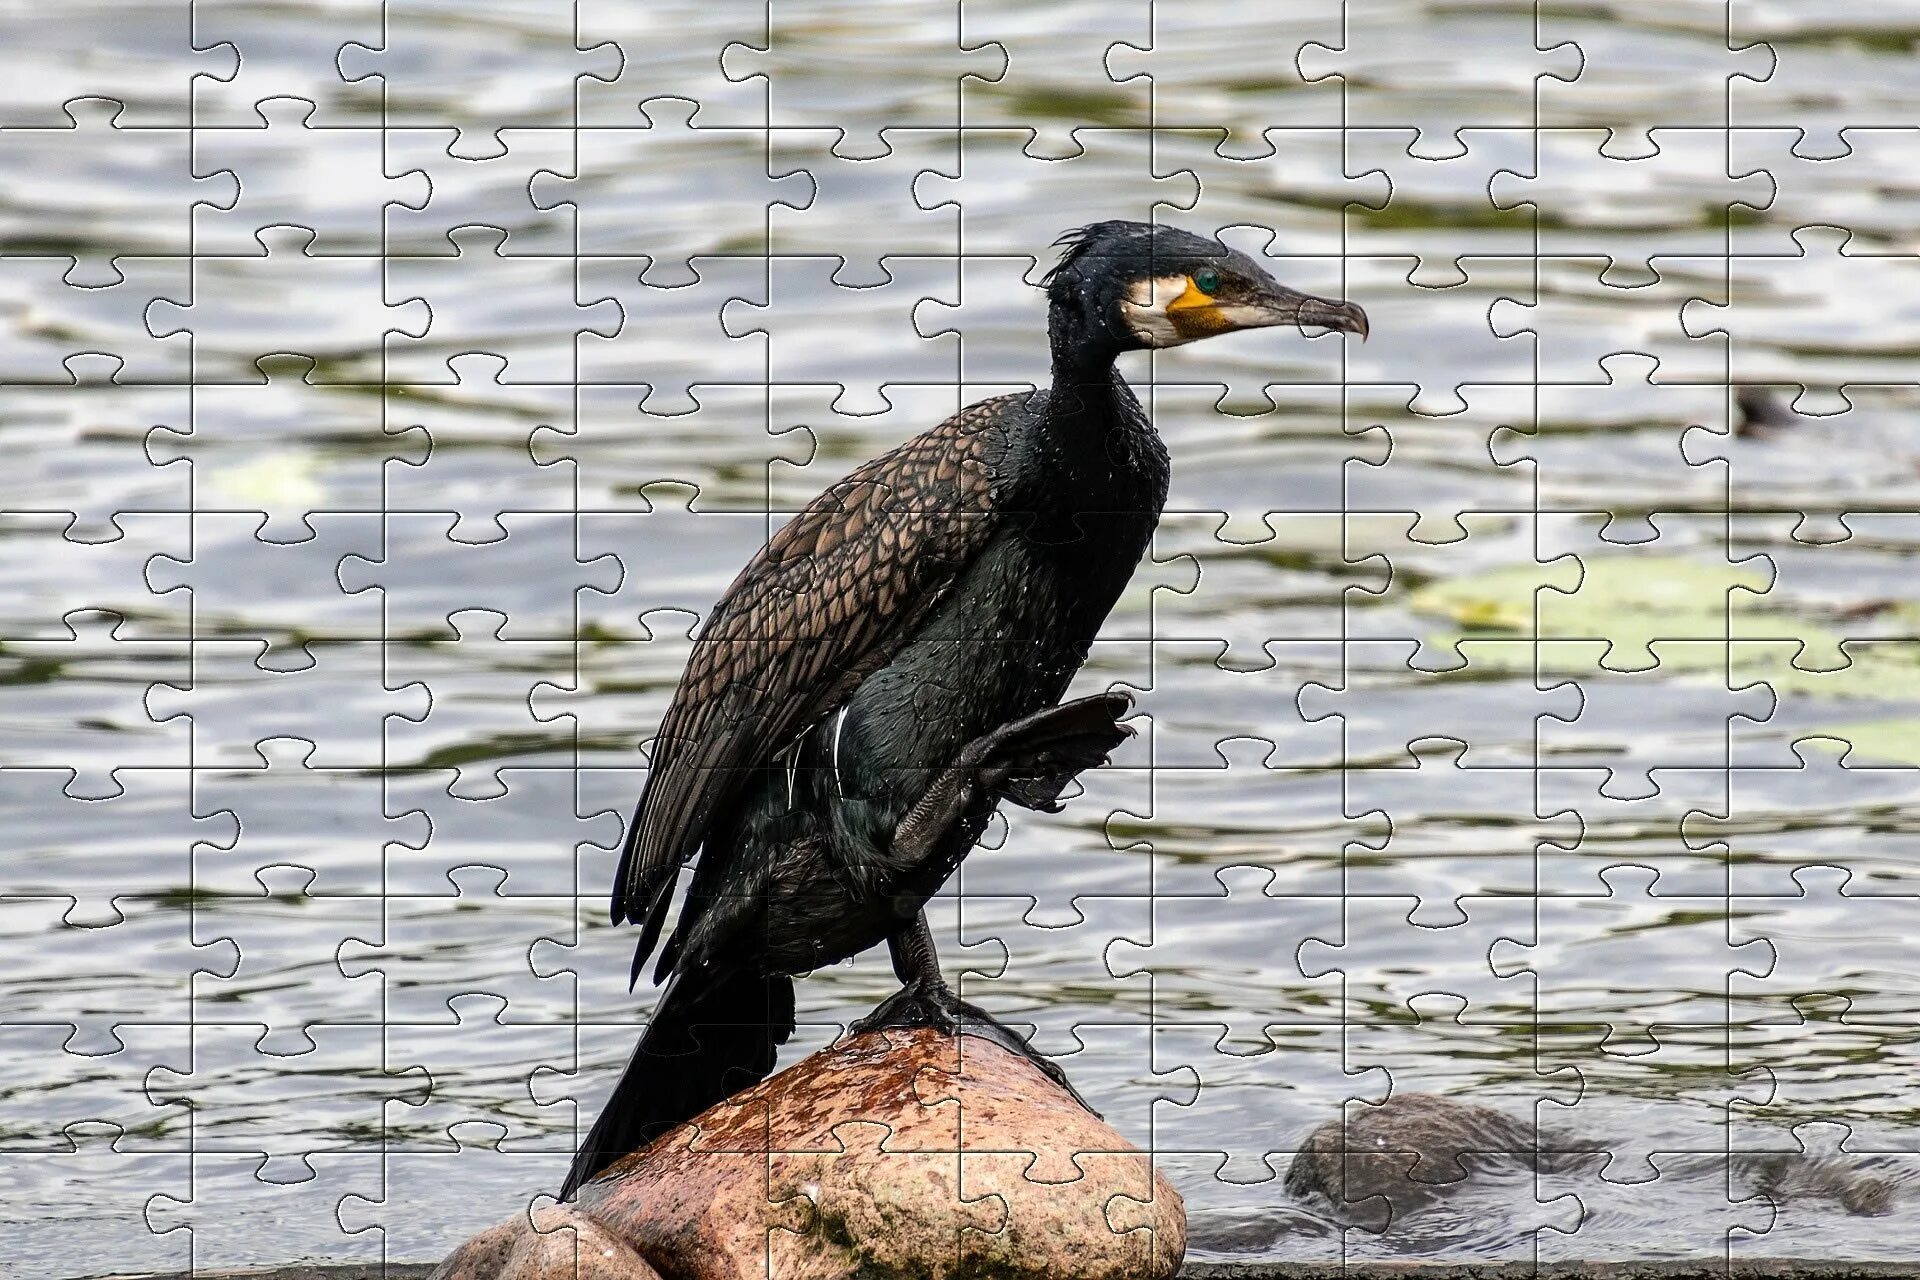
(1195, 314)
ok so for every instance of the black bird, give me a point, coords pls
(884, 672)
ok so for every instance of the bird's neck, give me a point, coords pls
(1088, 392)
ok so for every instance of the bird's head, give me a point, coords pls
(1132, 285)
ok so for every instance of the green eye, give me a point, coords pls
(1206, 280)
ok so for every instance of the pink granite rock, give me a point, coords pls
(896, 1152)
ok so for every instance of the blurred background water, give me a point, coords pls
(386, 395)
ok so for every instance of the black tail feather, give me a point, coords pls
(709, 1039)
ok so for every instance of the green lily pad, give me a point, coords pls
(1893, 741)
(1630, 613)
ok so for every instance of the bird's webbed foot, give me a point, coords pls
(1029, 761)
(933, 1004)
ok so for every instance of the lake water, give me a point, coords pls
(334, 995)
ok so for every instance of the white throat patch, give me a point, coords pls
(1145, 310)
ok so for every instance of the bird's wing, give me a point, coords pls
(830, 599)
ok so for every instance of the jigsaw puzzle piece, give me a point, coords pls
(843, 66)
(1435, 843)
(1007, 202)
(80, 172)
(1859, 189)
(674, 333)
(1674, 1090)
(283, 594)
(472, 677)
(1647, 444)
(1821, 947)
(38, 1186)
(420, 933)
(1779, 819)
(1253, 913)
(1384, 703)
(45, 321)
(1494, 551)
(91, 724)
(1197, 823)
(1052, 62)
(288, 939)
(1437, 210)
(618, 452)
(672, 54)
(1300, 188)
(1293, 558)
(234, 703)
(1074, 842)
(1201, 64)
(491, 191)
(1598, 194)
(427, 1199)
(1815, 1168)
(234, 1200)
(603, 174)
(279, 53)
(247, 1099)
(1779, 459)
(1423, 444)
(463, 295)
(1041, 959)
(235, 311)
(863, 211)
(1193, 709)
(141, 838)
(1816, 85)
(486, 831)
(57, 1088)
(99, 440)
(481, 450)
(292, 171)
(484, 1068)
(1270, 464)
(280, 811)
(1407, 320)
(1372, 965)
(1247, 366)
(425, 580)
(1259, 1095)
(1391, 79)
(1625, 65)
(1776, 301)
(1575, 321)
(1634, 958)
(109, 49)
(439, 70)
(134, 957)
(875, 332)
(1669, 830)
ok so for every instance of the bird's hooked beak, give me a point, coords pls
(1166, 311)
(1275, 304)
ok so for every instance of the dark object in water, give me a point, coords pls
(1789, 1178)
(815, 755)
(1410, 1149)
(1415, 1148)
(1760, 414)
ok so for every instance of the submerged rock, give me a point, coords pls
(1418, 1147)
(1411, 1148)
(907, 1153)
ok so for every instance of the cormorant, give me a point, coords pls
(883, 673)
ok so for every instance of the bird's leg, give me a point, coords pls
(1029, 761)
(925, 1000)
